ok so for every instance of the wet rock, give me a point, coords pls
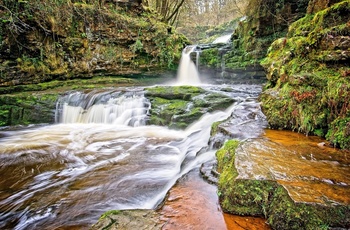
(209, 173)
(247, 121)
(129, 219)
(287, 178)
(179, 106)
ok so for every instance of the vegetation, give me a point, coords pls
(43, 40)
(309, 88)
(179, 106)
(265, 22)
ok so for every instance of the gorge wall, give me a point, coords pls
(308, 73)
(42, 41)
(303, 47)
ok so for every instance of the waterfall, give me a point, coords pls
(223, 39)
(187, 73)
(107, 107)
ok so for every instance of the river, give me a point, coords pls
(100, 155)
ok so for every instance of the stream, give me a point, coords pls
(99, 156)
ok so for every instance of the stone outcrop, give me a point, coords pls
(293, 181)
(129, 219)
(308, 87)
(265, 21)
(42, 41)
(179, 106)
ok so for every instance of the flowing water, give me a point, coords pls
(188, 71)
(98, 157)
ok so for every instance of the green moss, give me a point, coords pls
(226, 158)
(269, 199)
(24, 109)
(174, 92)
(339, 132)
(210, 58)
(179, 106)
(108, 213)
(308, 86)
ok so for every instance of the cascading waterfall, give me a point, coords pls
(107, 107)
(98, 157)
(188, 71)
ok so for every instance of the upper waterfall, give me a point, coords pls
(187, 73)
(109, 107)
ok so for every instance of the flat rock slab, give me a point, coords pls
(129, 219)
(304, 166)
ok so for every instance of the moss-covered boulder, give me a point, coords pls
(265, 21)
(308, 86)
(179, 106)
(285, 180)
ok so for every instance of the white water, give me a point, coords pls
(106, 107)
(90, 168)
(223, 39)
(187, 73)
(68, 174)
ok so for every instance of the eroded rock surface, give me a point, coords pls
(296, 182)
(129, 219)
(310, 173)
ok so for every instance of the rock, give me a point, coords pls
(129, 219)
(285, 177)
(179, 106)
(82, 40)
(308, 89)
(247, 121)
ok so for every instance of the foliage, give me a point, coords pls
(210, 58)
(44, 40)
(309, 88)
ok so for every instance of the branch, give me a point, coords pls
(175, 11)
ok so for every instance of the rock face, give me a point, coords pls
(265, 21)
(27, 109)
(288, 178)
(308, 87)
(253, 34)
(42, 41)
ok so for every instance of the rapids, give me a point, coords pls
(100, 156)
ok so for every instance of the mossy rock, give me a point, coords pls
(129, 219)
(210, 58)
(244, 190)
(179, 106)
(27, 109)
(174, 92)
(308, 87)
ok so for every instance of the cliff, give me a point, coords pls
(42, 41)
(265, 22)
(308, 71)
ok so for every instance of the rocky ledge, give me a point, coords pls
(179, 106)
(296, 182)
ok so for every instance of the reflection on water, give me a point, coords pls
(67, 175)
